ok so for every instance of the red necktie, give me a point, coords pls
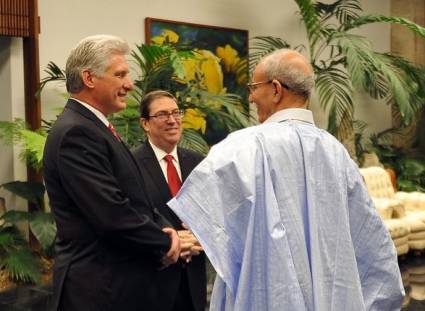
(114, 132)
(174, 182)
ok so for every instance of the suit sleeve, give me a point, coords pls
(86, 172)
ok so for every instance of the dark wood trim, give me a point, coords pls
(32, 82)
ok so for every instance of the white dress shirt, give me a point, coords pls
(160, 154)
(96, 112)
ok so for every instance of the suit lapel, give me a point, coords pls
(153, 168)
(76, 106)
(184, 162)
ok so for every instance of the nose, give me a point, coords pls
(128, 83)
(171, 119)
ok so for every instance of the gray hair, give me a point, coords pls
(92, 53)
(295, 74)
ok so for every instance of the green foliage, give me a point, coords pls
(30, 191)
(192, 140)
(343, 61)
(264, 46)
(127, 123)
(16, 257)
(408, 164)
(15, 254)
(54, 74)
(21, 265)
(158, 64)
(43, 227)
(412, 174)
(32, 142)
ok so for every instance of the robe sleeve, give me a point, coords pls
(375, 252)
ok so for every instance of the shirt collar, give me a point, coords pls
(292, 114)
(160, 154)
(96, 112)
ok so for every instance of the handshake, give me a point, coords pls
(183, 244)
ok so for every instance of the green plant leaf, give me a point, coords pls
(34, 146)
(54, 74)
(311, 22)
(335, 93)
(31, 191)
(32, 142)
(412, 167)
(376, 18)
(193, 140)
(10, 238)
(14, 217)
(409, 186)
(343, 10)
(263, 45)
(44, 229)
(21, 265)
(10, 132)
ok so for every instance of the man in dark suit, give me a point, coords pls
(109, 246)
(181, 286)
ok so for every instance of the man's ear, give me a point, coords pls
(87, 78)
(144, 123)
(278, 91)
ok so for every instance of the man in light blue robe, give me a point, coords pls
(283, 213)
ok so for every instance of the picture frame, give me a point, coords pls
(225, 49)
(206, 37)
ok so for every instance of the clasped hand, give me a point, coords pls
(173, 253)
(190, 245)
(183, 244)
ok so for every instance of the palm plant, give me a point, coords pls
(17, 259)
(344, 62)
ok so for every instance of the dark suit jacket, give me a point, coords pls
(156, 184)
(108, 245)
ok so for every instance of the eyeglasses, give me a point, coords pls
(252, 86)
(165, 115)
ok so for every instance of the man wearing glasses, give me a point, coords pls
(164, 166)
(283, 213)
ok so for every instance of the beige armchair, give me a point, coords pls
(402, 212)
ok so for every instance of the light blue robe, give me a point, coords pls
(285, 219)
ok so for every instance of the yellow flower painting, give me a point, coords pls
(219, 65)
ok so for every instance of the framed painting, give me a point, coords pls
(224, 53)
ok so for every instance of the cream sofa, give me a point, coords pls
(402, 212)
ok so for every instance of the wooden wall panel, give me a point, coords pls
(14, 18)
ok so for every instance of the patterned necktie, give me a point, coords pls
(174, 182)
(114, 132)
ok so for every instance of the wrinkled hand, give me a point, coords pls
(173, 253)
(190, 245)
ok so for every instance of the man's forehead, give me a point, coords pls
(163, 103)
(258, 71)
